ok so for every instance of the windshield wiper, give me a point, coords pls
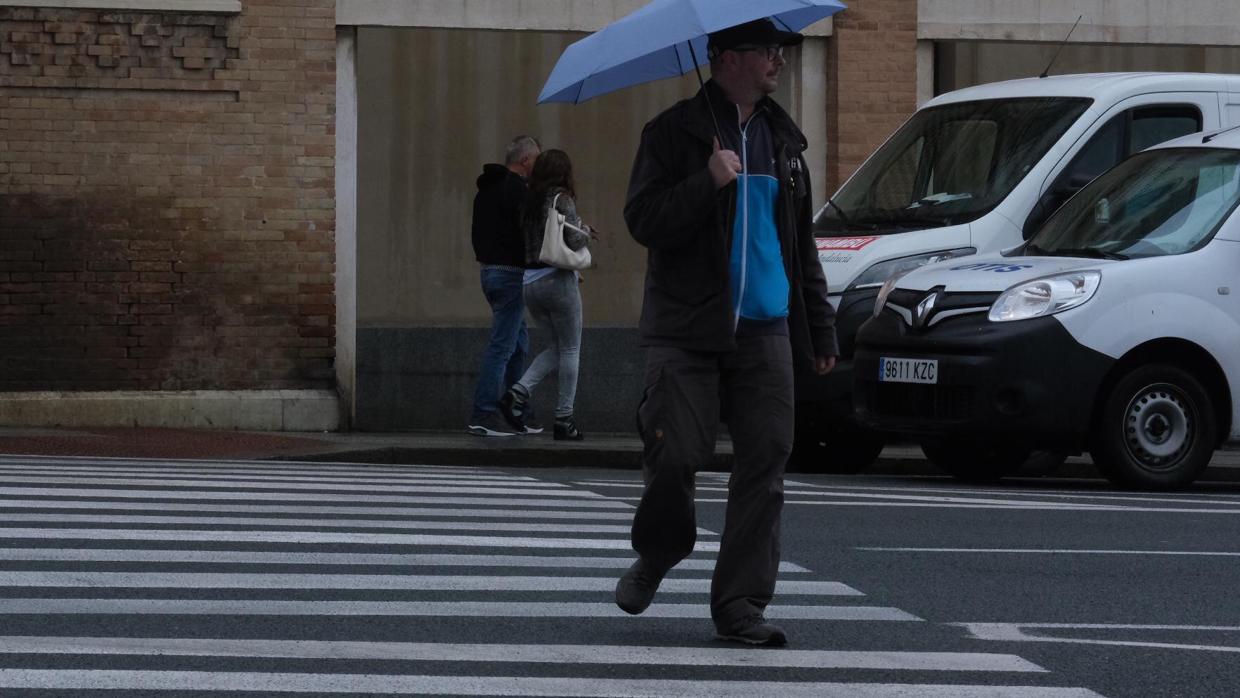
(843, 216)
(906, 221)
(1091, 252)
(847, 222)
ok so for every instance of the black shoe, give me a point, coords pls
(637, 586)
(566, 430)
(514, 406)
(532, 428)
(490, 425)
(754, 630)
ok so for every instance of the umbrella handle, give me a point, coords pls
(709, 107)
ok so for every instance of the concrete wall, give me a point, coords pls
(423, 378)
(964, 63)
(346, 221)
(423, 134)
(536, 15)
(1189, 22)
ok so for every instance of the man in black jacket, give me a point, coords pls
(500, 249)
(734, 296)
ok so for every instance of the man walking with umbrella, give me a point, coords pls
(734, 296)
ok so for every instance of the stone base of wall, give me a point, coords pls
(415, 378)
(258, 410)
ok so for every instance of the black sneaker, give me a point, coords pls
(637, 586)
(532, 428)
(514, 406)
(491, 425)
(754, 630)
(566, 430)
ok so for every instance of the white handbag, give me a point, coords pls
(554, 251)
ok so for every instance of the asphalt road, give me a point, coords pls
(172, 579)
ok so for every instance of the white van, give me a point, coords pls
(1115, 328)
(973, 172)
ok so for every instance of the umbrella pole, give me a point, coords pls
(710, 108)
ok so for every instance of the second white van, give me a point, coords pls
(1114, 329)
(978, 171)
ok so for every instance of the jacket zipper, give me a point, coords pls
(787, 217)
(743, 127)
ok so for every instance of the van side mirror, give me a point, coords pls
(1048, 203)
(1052, 199)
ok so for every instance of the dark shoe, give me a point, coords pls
(491, 425)
(637, 586)
(513, 404)
(566, 430)
(754, 630)
(532, 428)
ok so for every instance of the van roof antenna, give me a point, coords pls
(1216, 134)
(1061, 44)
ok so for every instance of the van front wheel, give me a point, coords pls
(1157, 429)
(976, 461)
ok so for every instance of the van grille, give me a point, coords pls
(910, 400)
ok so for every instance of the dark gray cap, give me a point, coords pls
(760, 32)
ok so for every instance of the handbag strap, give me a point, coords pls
(568, 225)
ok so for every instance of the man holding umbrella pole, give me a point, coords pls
(734, 297)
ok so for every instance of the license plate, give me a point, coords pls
(908, 370)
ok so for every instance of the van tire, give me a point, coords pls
(976, 461)
(1157, 429)
(823, 449)
(840, 453)
(1043, 463)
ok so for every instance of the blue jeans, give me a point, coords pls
(504, 358)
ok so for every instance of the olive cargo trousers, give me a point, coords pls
(686, 395)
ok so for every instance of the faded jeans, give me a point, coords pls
(504, 358)
(554, 302)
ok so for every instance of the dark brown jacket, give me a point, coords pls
(675, 211)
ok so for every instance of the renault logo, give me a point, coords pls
(922, 312)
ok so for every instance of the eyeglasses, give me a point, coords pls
(772, 52)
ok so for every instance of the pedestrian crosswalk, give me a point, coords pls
(211, 578)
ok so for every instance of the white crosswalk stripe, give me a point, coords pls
(264, 567)
(549, 562)
(539, 654)
(499, 686)
(402, 524)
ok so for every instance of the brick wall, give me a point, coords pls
(166, 198)
(873, 64)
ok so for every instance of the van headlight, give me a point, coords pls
(886, 274)
(1045, 296)
(878, 273)
(881, 301)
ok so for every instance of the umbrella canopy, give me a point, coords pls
(664, 39)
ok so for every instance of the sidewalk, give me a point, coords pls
(611, 450)
(446, 448)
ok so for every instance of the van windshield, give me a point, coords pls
(1160, 202)
(949, 165)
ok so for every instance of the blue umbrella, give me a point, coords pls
(664, 39)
